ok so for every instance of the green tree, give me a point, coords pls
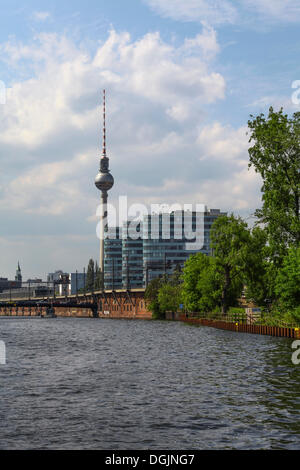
(175, 279)
(230, 246)
(98, 277)
(275, 155)
(169, 298)
(192, 291)
(151, 297)
(210, 285)
(260, 271)
(90, 276)
(203, 284)
(287, 285)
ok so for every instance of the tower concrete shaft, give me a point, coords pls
(103, 224)
(104, 181)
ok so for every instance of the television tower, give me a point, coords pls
(104, 181)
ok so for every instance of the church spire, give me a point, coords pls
(18, 277)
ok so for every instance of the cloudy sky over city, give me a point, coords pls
(182, 78)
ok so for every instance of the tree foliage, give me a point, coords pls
(164, 293)
(98, 277)
(169, 298)
(275, 155)
(200, 290)
(260, 271)
(151, 297)
(287, 285)
(90, 276)
(217, 281)
(230, 246)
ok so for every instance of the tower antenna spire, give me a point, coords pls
(104, 124)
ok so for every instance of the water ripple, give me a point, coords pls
(110, 384)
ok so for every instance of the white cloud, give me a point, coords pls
(223, 143)
(41, 15)
(49, 188)
(159, 72)
(160, 148)
(148, 68)
(206, 41)
(226, 149)
(51, 122)
(52, 117)
(227, 11)
(276, 10)
(217, 12)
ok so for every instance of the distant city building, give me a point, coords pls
(3, 283)
(32, 288)
(28, 290)
(66, 283)
(51, 277)
(76, 283)
(6, 284)
(54, 278)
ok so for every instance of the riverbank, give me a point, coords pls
(282, 332)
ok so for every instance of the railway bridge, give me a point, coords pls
(99, 304)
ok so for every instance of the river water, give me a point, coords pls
(123, 384)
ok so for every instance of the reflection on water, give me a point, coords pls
(118, 384)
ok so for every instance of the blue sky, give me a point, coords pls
(182, 78)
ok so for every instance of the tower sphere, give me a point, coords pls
(104, 181)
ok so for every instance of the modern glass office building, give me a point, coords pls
(123, 257)
(113, 259)
(155, 246)
(132, 255)
(170, 239)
